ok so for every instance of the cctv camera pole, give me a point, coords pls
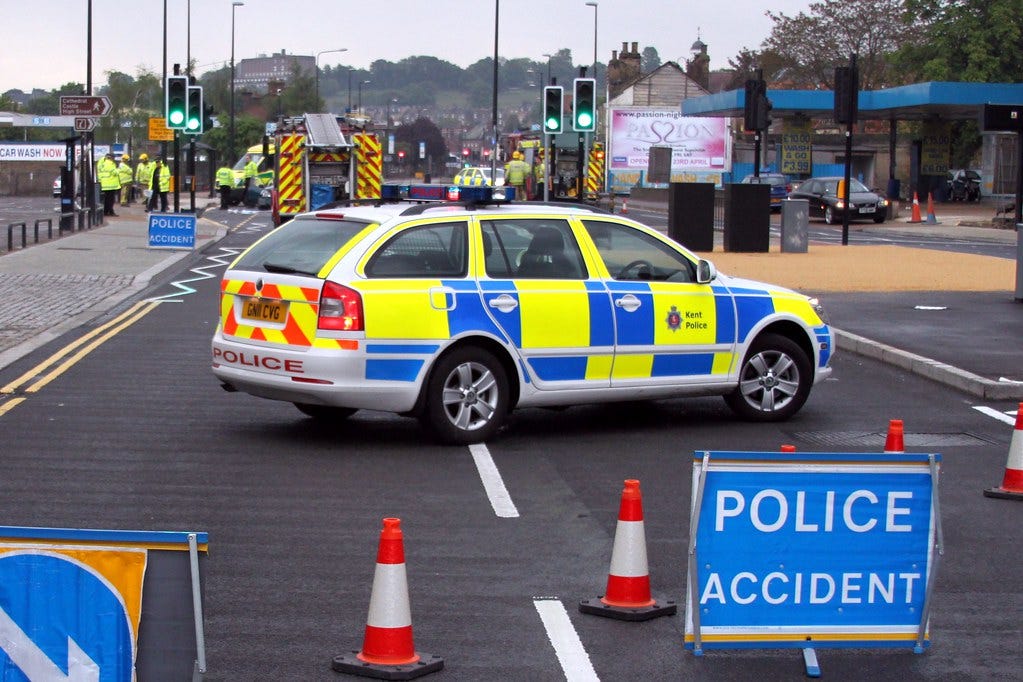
(853, 94)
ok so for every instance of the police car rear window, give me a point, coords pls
(301, 246)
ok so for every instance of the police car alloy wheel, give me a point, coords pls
(467, 396)
(774, 380)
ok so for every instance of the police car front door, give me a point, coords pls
(538, 289)
(669, 330)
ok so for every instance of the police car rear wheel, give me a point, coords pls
(325, 413)
(467, 396)
(774, 380)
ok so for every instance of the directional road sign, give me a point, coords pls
(84, 124)
(84, 105)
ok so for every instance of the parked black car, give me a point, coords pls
(825, 201)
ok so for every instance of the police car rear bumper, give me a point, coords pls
(337, 378)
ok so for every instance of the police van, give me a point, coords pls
(458, 310)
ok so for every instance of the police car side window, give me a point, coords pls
(435, 250)
(633, 255)
(531, 249)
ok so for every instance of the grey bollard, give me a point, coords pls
(795, 224)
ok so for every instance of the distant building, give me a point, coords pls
(255, 74)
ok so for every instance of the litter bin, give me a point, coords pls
(691, 214)
(795, 224)
(747, 218)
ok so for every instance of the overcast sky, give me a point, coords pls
(45, 41)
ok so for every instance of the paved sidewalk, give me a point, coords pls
(968, 338)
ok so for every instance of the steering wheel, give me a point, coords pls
(634, 265)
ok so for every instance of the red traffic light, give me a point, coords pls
(401, 154)
(465, 151)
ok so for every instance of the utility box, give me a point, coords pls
(795, 224)
(691, 214)
(747, 218)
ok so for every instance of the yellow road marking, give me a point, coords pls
(90, 341)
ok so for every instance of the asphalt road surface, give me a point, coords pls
(137, 434)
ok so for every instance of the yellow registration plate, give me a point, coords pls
(265, 310)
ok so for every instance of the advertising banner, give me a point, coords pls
(934, 149)
(811, 550)
(41, 151)
(698, 144)
(796, 148)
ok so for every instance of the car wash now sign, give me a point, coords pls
(812, 549)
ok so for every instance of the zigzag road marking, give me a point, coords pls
(182, 285)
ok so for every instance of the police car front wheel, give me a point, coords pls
(467, 396)
(774, 380)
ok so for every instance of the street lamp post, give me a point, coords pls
(234, 5)
(587, 135)
(548, 82)
(361, 83)
(340, 49)
(493, 149)
(594, 6)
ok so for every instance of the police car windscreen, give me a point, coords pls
(303, 245)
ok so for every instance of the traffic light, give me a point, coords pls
(756, 95)
(764, 107)
(553, 95)
(176, 102)
(207, 117)
(194, 115)
(847, 86)
(584, 113)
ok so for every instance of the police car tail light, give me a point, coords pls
(340, 309)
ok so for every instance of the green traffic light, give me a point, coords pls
(585, 120)
(553, 123)
(177, 117)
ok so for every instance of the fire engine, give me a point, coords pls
(322, 158)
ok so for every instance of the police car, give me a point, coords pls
(459, 312)
(475, 176)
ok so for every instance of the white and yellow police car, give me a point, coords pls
(458, 313)
(478, 176)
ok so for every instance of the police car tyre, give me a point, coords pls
(774, 380)
(326, 413)
(467, 396)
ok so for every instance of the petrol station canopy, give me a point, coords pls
(920, 101)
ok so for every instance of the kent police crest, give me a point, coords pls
(674, 319)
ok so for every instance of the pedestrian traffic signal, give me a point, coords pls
(194, 115)
(553, 96)
(207, 116)
(584, 113)
(764, 107)
(176, 101)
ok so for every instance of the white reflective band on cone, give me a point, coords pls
(628, 557)
(388, 604)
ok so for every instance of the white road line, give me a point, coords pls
(575, 662)
(500, 500)
(1000, 416)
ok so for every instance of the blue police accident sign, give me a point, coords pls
(171, 231)
(811, 549)
(62, 619)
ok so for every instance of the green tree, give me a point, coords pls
(649, 59)
(248, 131)
(811, 44)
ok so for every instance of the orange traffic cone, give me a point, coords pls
(1012, 482)
(628, 583)
(931, 220)
(915, 217)
(893, 444)
(625, 206)
(387, 649)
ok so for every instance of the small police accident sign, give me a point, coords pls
(810, 550)
(171, 231)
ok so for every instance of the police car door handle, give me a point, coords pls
(628, 303)
(504, 303)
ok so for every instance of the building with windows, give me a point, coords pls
(256, 73)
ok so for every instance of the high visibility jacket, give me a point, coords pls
(515, 172)
(124, 173)
(251, 169)
(144, 173)
(161, 183)
(106, 173)
(225, 176)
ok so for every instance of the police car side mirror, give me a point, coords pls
(705, 272)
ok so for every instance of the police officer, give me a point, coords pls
(143, 173)
(225, 180)
(124, 176)
(515, 172)
(159, 185)
(109, 182)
